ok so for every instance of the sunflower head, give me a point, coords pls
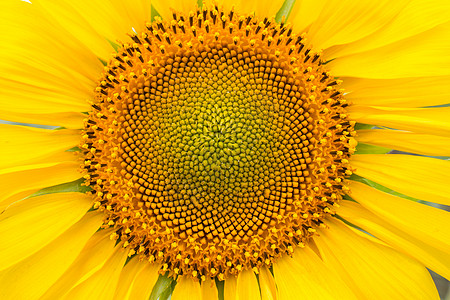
(217, 142)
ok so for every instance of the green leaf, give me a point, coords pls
(362, 148)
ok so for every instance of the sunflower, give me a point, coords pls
(224, 150)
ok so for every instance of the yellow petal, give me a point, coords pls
(425, 54)
(38, 176)
(209, 290)
(26, 145)
(80, 28)
(5, 202)
(43, 68)
(401, 92)
(304, 13)
(137, 14)
(295, 282)
(264, 8)
(314, 278)
(416, 176)
(127, 278)
(66, 57)
(321, 274)
(187, 289)
(164, 8)
(30, 278)
(31, 224)
(66, 156)
(372, 270)
(247, 286)
(95, 22)
(267, 285)
(40, 97)
(425, 144)
(432, 258)
(417, 16)
(70, 120)
(144, 282)
(230, 288)
(102, 284)
(426, 223)
(345, 21)
(261, 8)
(421, 120)
(94, 255)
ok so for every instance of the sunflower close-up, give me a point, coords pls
(224, 150)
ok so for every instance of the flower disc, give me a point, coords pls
(217, 142)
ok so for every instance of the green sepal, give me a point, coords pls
(154, 13)
(73, 186)
(163, 288)
(380, 187)
(104, 62)
(114, 45)
(361, 126)
(362, 148)
(285, 11)
(220, 289)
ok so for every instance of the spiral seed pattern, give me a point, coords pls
(217, 142)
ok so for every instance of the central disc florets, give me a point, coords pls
(217, 143)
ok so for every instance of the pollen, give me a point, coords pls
(217, 143)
